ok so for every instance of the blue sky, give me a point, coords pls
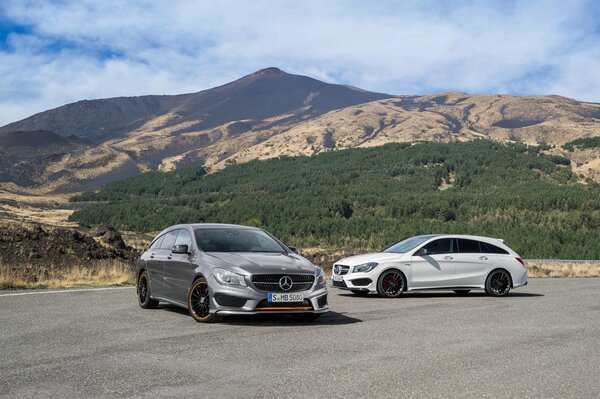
(56, 52)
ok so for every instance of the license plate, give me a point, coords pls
(338, 278)
(285, 297)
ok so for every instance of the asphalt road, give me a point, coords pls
(541, 341)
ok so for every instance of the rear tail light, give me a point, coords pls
(520, 261)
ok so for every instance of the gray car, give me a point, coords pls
(219, 269)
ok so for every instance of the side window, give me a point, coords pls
(441, 246)
(488, 248)
(156, 244)
(169, 240)
(184, 238)
(468, 246)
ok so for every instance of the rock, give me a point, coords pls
(113, 238)
(102, 230)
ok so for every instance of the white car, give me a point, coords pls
(439, 261)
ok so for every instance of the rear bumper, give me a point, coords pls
(520, 279)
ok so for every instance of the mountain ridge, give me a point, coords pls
(270, 113)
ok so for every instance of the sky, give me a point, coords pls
(58, 52)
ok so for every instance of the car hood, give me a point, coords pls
(260, 263)
(378, 257)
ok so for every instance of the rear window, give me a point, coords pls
(468, 246)
(488, 248)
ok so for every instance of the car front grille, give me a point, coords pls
(270, 282)
(340, 270)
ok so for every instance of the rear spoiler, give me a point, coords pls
(499, 239)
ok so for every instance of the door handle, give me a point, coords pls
(483, 257)
(152, 256)
(169, 257)
(448, 257)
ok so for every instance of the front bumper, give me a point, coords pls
(355, 282)
(226, 300)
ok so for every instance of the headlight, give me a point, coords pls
(229, 278)
(365, 267)
(319, 276)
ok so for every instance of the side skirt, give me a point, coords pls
(171, 301)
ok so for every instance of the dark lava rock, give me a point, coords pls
(102, 230)
(114, 238)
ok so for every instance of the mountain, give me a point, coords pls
(259, 96)
(267, 114)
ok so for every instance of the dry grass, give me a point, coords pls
(101, 273)
(544, 269)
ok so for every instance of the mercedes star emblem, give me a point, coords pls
(286, 283)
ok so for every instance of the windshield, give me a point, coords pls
(236, 240)
(407, 245)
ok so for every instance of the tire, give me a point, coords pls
(143, 292)
(391, 284)
(498, 283)
(360, 292)
(461, 292)
(199, 303)
(306, 316)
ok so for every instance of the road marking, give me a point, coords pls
(69, 290)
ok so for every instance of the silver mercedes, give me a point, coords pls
(215, 270)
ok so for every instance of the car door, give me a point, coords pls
(179, 268)
(436, 268)
(160, 257)
(155, 267)
(471, 263)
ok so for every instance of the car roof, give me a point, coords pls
(205, 226)
(467, 236)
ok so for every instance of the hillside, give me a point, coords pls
(370, 198)
(267, 114)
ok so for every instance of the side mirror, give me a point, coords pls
(422, 252)
(181, 249)
(294, 250)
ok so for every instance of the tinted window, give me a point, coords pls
(492, 249)
(184, 238)
(169, 240)
(407, 245)
(236, 240)
(156, 244)
(468, 246)
(441, 246)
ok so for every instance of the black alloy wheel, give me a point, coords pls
(199, 302)
(498, 283)
(391, 284)
(143, 292)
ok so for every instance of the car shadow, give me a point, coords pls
(430, 294)
(268, 320)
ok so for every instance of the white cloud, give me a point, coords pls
(91, 49)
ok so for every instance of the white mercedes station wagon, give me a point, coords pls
(439, 261)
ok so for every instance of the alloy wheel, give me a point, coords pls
(391, 284)
(142, 289)
(499, 283)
